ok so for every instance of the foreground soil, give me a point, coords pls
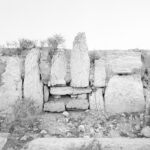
(83, 124)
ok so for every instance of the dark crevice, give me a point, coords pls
(22, 78)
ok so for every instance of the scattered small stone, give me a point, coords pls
(81, 128)
(24, 138)
(43, 132)
(146, 131)
(66, 114)
(86, 136)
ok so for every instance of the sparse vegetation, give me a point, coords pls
(26, 44)
(54, 42)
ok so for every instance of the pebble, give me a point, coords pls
(43, 132)
(24, 138)
(81, 128)
(66, 114)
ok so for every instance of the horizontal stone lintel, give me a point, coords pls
(69, 90)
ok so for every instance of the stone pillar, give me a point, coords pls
(96, 100)
(59, 69)
(10, 82)
(33, 87)
(45, 66)
(80, 62)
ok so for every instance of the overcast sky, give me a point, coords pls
(108, 24)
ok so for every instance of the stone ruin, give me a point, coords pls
(117, 82)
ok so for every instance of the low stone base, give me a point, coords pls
(54, 106)
(77, 104)
(78, 143)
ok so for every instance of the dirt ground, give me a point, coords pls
(84, 124)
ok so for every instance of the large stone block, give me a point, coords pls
(99, 73)
(80, 62)
(61, 90)
(54, 106)
(124, 94)
(124, 63)
(96, 100)
(59, 69)
(69, 90)
(77, 104)
(98, 143)
(45, 65)
(10, 82)
(33, 87)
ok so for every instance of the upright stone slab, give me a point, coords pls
(33, 87)
(10, 82)
(80, 62)
(59, 69)
(99, 73)
(96, 100)
(124, 94)
(45, 66)
(46, 93)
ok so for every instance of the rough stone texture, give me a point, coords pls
(69, 90)
(80, 62)
(3, 140)
(81, 90)
(61, 90)
(46, 93)
(99, 73)
(45, 66)
(96, 100)
(147, 107)
(33, 87)
(124, 63)
(77, 143)
(54, 106)
(124, 94)
(77, 104)
(146, 131)
(82, 96)
(10, 82)
(59, 69)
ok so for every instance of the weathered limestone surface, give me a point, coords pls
(80, 62)
(54, 106)
(69, 90)
(81, 90)
(45, 66)
(124, 94)
(59, 69)
(10, 82)
(46, 93)
(124, 63)
(100, 73)
(33, 87)
(147, 107)
(3, 140)
(96, 100)
(82, 96)
(61, 90)
(77, 104)
(77, 143)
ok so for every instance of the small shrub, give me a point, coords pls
(26, 44)
(53, 43)
(24, 113)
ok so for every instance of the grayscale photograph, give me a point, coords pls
(74, 74)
